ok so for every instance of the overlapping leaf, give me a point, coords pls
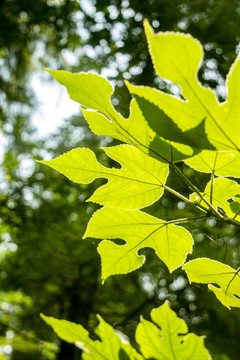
(168, 129)
(169, 342)
(177, 57)
(111, 346)
(137, 184)
(207, 271)
(107, 121)
(171, 243)
(222, 192)
(220, 163)
(152, 102)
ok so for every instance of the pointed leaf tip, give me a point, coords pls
(147, 27)
(42, 316)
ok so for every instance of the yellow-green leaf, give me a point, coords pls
(110, 346)
(94, 92)
(171, 243)
(220, 163)
(177, 57)
(167, 340)
(220, 192)
(207, 271)
(152, 102)
(90, 90)
(137, 184)
(229, 125)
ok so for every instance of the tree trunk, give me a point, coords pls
(79, 309)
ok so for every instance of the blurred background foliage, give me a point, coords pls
(45, 266)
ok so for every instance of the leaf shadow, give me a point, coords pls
(166, 128)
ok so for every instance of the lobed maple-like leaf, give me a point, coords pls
(107, 121)
(161, 125)
(207, 271)
(167, 343)
(171, 243)
(167, 340)
(193, 127)
(137, 184)
(177, 57)
(110, 346)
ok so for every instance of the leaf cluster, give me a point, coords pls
(161, 131)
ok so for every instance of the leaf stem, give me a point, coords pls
(185, 220)
(213, 211)
(189, 183)
(183, 198)
(232, 221)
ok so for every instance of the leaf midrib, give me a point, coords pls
(112, 174)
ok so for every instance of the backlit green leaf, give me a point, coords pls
(111, 346)
(163, 125)
(171, 243)
(167, 341)
(219, 193)
(90, 90)
(134, 130)
(137, 184)
(159, 109)
(207, 271)
(68, 331)
(177, 57)
(229, 124)
(220, 163)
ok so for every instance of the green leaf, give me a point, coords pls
(152, 102)
(220, 163)
(137, 184)
(171, 243)
(169, 343)
(219, 192)
(207, 271)
(230, 123)
(68, 331)
(111, 346)
(235, 206)
(177, 57)
(90, 90)
(94, 92)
